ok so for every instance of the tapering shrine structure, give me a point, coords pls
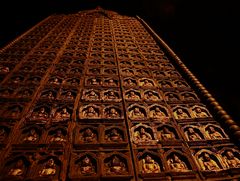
(98, 96)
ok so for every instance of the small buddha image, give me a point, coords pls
(110, 82)
(198, 112)
(88, 135)
(35, 80)
(115, 166)
(132, 95)
(230, 160)
(68, 95)
(165, 84)
(181, 84)
(91, 95)
(130, 82)
(172, 97)
(49, 168)
(179, 113)
(49, 95)
(94, 71)
(14, 111)
(127, 72)
(86, 166)
(18, 169)
(192, 135)
(176, 164)
(110, 95)
(208, 163)
(40, 114)
(58, 136)
(17, 80)
(151, 96)
(157, 113)
(136, 113)
(110, 71)
(26, 93)
(166, 134)
(31, 136)
(149, 165)
(62, 114)
(94, 81)
(146, 83)
(55, 81)
(112, 113)
(141, 136)
(90, 112)
(114, 135)
(212, 133)
(74, 82)
(188, 96)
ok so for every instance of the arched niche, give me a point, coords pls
(165, 84)
(171, 96)
(31, 134)
(16, 168)
(127, 71)
(86, 164)
(57, 135)
(40, 112)
(142, 134)
(24, 92)
(213, 131)
(177, 161)
(112, 112)
(68, 94)
(110, 95)
(188, 96)
(167, 133)
(110, 82)
(91, 95)
(49, 167)
(208, 160)
(114, 135)
(146, 82)
(193, 133)
(181, 112)
(116, 164)
(137, 112)
(158, 112)
(151, 95)
(199, 111)
(132, 95)
(55, 80)
(149, 163)
(13, 111)
(93, 81)
(90, 111)
(130, 82)
(72, 81)
(4, 133)
(87, 135)
(49, 94)
(230, 157)
(180, 84)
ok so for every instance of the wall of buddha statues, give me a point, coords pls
(93, 96)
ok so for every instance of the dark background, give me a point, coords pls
(203, 33)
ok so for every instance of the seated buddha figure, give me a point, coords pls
(40, 114)
(149, 165)
(132, 95)
(90, 112)
(156, 113)
(166, 134)
(208, 163)
(18, 169)
(179, 113)
(213, 133)
(32, 136)
(192, 135)
(91, 95)
(62, 114)
(88, 135)
(116, 166)
(142, 136)
(112, 113)
(58, 137)
(114, 136)
(110, 95)
(49, 169)
(230, 160)
(86, 166)
(176, 164)
(136, 113)
(198, 112)
(151, 96)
